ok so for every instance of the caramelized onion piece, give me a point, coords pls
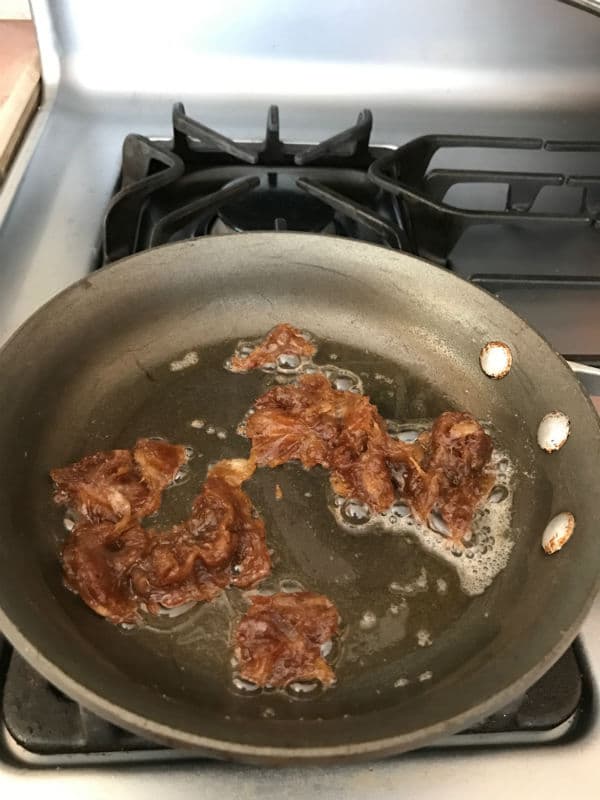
(446, 469)
(121, 569)
(279, 639)
(282, 340)
(119, 485)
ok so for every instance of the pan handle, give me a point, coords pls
(590, 378)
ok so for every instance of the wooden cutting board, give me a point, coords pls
(19, 85)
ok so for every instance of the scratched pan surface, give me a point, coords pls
(91, 370)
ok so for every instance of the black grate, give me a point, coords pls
(434, 226)
(201, 182)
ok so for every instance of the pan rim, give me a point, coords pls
(224, 747)
(261, 754)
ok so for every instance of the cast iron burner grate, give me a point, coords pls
(434, 226)
(45, 726)
(200, 183)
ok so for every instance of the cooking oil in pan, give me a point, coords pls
(399, 589)
(483, 554)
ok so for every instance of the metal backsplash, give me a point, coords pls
(518, 67)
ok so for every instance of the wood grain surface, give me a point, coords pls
(19, 85)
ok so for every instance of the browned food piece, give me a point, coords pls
(97, 559)
(318, 425)
(222, 544)
(117, 485)
(452, 474)
(279, 639)
(117, 571)
(283, 339)
(103, 486)
(173, 570)
(158, 463)
(104, 565)
(278, 492)
(446, 469)
(233, 471)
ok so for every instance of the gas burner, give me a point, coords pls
(277, 204)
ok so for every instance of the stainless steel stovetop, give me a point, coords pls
(523, 67)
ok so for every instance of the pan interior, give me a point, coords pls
(399, 605)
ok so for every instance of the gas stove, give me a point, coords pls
(497, 184)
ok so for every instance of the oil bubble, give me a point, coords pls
(367, 621)
(245, 687)
(355, 512)
(407, 435)
(303, 689)
(268, 587)
(189, 360)
(290, 585)
(288, 362)
(181, 476)
(498, 494)
(437, 524)
(244, 349)
(415, 586)
(326, 648)
(400, 510)
(424, 638)
(343, 383)
(177, 611)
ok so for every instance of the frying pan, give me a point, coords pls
(90, 370)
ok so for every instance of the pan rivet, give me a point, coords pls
(553, 431)
(495, 359)
(558, 532)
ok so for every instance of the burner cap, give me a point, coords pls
(277, 198)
